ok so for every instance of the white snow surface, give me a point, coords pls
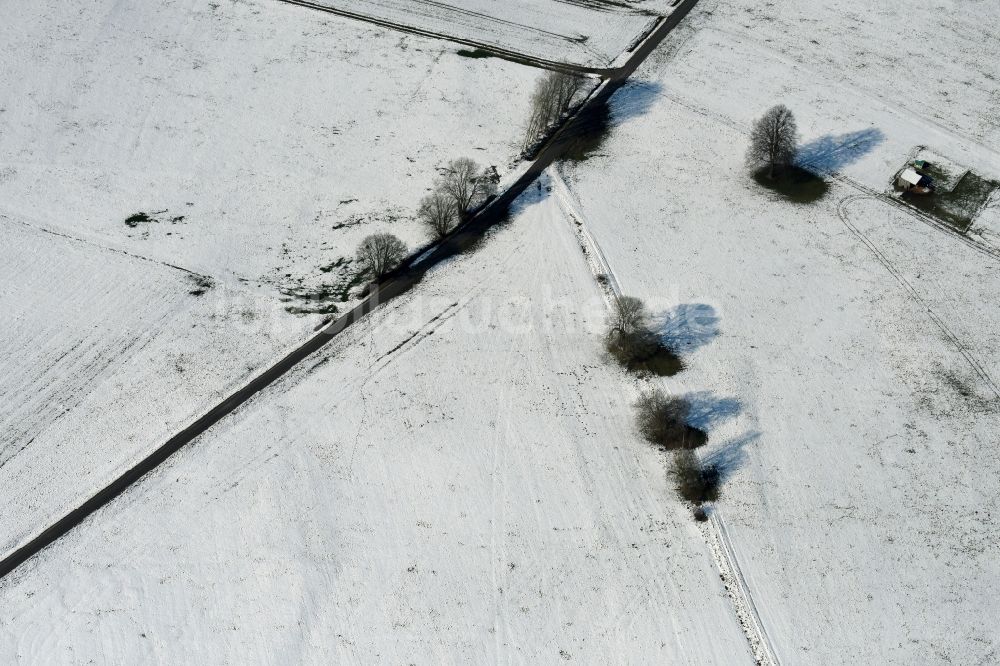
(849, 351)
(105, 356)
(282, 136)
(581, 32)
(454, 480)
(266, 139)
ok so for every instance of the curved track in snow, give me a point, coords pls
(910, 290)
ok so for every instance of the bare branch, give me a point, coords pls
(438, 214)
(380, 253)
(773, 140)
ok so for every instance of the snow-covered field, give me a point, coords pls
(856, 348)
(868, 84)
(266, 139)
(280, 136)
(455, 480)
(105, 356)
(581, 32)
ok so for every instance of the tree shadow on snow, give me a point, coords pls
(834, 152)
(731, 455)
(635, 99)
(707, 410)
(687, 327)
(585, 135)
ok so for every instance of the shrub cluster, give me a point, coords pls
(629, 338)
(662, 421)
(632, 342)
(695, 482)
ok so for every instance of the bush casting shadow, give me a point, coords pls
(663, 422)
(632, 342)
(694, 481)
(643, 354)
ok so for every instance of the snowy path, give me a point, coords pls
(714, 530)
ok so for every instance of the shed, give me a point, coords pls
(910, 180)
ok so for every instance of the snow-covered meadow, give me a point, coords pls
(457, 478)
(454, 480)
(855, 346)
(105, 356)
(278, 135)
(589, 33)
(265, 140)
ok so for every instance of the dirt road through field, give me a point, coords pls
(400, 282)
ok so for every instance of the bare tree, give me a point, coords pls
(662, 421)
(630, 338)
(628, 316)
(380, 253)
(695, 481)
(773, 140)
(466, 184)
(567, 87)
(554, 95)
(437, 213)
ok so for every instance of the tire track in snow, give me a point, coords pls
(714, 531)
(912, 292)
(977, 245)
(105, 248)
(721, 547)
(868, 192)
(498, 51)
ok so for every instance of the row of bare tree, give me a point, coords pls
(461, 188)
(463, 185)
(554, 96)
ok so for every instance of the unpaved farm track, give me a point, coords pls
(714, 531)
(405, 278)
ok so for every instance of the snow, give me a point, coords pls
(853, 348)
(911, 176)
(454, 480)
(105, 356)
(265, 139)
(281, 136)
(581, 32)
